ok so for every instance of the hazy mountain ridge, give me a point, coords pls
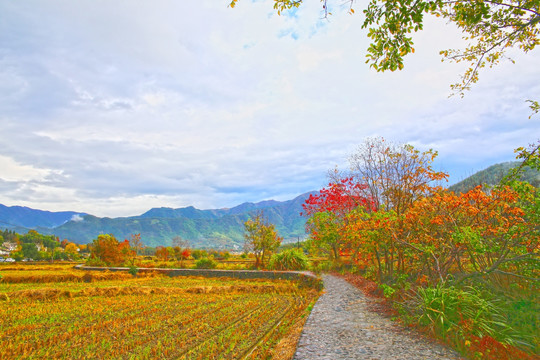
(216, 228)
(25, 217)
(493, 175)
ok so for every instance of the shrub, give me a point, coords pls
(456, 313)
(95, 262)
(199, 254)
(290, 259)
(133, 270)
(205, 263)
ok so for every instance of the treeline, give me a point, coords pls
(36, 246)
(106, 250)
(460, 264)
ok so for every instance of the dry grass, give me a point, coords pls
(54, 293)
(150, 316)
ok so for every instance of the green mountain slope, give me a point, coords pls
(218, 228)
(493, 175)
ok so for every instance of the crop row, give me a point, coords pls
(79, 281)
(167, 325)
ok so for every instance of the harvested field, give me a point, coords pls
(151, 317)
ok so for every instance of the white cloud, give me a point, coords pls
(112, 108)
(76, 218)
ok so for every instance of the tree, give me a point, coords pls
(339, 197)
(260, 237)
(136, 246)
(180, 249)
(30, 251)
(107, 249)
(394, 175)
(327, 211)
(162, 253)
(354, 213)
(72, 250)
(489, 26)
(177, 241)
(324, 233)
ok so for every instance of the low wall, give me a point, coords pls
(305, 277)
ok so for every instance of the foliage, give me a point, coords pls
(457, 251)
(324, 236)
(17, 255)
(133, 270)
(136, 243)
(163, 253)
(94, 261)
(489, 27)
(260, 237)
(458, 313)
(338, 198)
(205, 263)
(107, 249)
(291, 259)
(197, 254)
(30, 251)
(394, 175)
(327, 210)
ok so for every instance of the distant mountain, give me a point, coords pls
(493, 175)
(24, 217)
(215, 228)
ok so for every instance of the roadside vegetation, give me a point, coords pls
(463, 266)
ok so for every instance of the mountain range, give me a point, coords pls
(214, 228)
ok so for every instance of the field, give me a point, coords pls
(53, 311)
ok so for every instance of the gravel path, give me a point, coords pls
(341, 327)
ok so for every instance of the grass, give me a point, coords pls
(477, 323)
(147, 317)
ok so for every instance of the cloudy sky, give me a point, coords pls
(114, 107)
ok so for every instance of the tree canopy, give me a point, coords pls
(489, 26)
(261, 237)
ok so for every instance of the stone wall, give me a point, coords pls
(305, 277)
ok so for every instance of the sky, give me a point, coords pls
(114, 107)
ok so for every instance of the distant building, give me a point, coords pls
(9, 246)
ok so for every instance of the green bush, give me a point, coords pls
(205, 263)
(290, 259)
(133, 270)
(454, 313)
(95, 262)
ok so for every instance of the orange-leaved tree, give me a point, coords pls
(163, 253)
(108, 250)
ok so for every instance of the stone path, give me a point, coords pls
(341, 327)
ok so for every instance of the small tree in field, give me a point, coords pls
(261, 238)
(162, 253)
(136, 245)
(107, 249)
